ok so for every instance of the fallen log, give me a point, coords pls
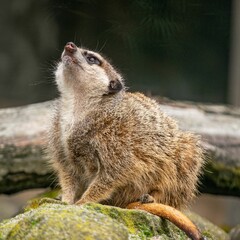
(23, 164)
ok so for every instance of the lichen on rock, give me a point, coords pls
(60, 221)
(51, 219)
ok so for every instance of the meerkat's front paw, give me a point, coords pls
(146, 198)
(81, 202)
(67, 199)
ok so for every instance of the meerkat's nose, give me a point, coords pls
(70, 47)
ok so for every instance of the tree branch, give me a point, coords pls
(22, 131)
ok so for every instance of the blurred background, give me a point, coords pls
(180, 49)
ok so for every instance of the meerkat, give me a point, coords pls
(114, 147)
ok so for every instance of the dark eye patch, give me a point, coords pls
(91, 59)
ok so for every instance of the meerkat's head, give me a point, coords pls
(81, 70)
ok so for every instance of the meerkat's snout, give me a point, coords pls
(70, 47)
(69, 53)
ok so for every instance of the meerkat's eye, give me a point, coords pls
(93, 60)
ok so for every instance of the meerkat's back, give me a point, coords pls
(157, 158)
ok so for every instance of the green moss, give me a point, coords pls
(222, 175)
(59, 221)
(7, 225)
(35, 203)
(139, 223)
(51, 219)
(53, 193)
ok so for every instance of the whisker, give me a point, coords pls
(96, 46)
(103, 46)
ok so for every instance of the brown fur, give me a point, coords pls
(114, 147)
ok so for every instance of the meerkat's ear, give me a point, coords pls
(115, 86)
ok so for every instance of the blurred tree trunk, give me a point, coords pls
(23, 164)
(234, 65)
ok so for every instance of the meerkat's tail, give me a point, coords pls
(171, 214)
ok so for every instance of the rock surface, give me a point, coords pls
(52, 219)
(235, 233)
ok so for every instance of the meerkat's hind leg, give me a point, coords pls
(147, 198)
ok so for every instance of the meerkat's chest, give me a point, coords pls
(80, 154)
(66, 126)
(83, 156)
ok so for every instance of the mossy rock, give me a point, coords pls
(208, 229)
(235, 233)
(52, 219)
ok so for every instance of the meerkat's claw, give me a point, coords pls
(146, 198)
(59, 197)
